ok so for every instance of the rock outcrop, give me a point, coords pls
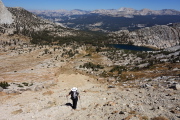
(5, 15)
(160, 36)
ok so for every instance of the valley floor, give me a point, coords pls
(50, 78)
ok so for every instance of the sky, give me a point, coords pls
(92, 4)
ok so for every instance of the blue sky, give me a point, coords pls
(93, 4)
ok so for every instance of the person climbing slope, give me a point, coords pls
(74, 96)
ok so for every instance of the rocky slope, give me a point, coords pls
(116, 85)
(27, 23)
(160, 36)
(40, 80)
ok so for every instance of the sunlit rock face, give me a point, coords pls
(5, 15)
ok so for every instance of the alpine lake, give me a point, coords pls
(131, 47)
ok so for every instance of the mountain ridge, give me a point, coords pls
(111, 12)
(111, 19)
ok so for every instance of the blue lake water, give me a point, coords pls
(131, 47)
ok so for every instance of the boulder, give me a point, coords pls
(110, 86)
(121, 112)
(110, 103)
(175, 86)
(145, 86)
(1, 89)
(10, 91)
(5, 15)
(37, 88)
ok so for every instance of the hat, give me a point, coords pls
(74, 89)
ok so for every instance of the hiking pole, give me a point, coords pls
(67, 99)
(80, 102)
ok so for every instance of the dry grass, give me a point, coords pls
(132, 112)
(48, 93)
(17, 112)
(158, 70)
(138, 117)
(144, 118)
(159, 118)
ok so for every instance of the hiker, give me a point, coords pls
(74, 96)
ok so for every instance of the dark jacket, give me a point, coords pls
(74, 96)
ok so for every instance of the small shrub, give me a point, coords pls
(4, 85)
(145, 118)
(88, 55)
(80, 66)
(149, 80)
(92, 66)
(132, 112)
(19, 85)
(119, 69)
(31, 84)
(46, 51)
(25, 84)
(166, 52)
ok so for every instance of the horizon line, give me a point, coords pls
(103, 9)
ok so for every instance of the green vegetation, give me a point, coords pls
(4, 85)
(69, 53)
(46, 37)
(92, 66)
(46, 51)
(114, 23)
(19, 85)
(119, 69)
(25, 84)
(31, 84)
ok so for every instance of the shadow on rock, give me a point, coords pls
(68, 104)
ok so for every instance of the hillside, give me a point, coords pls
(117, 84)
(41, 31)
(40, 61)
(159, 36)
(26, 23)
(35, 29)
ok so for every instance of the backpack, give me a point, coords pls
(74, 94)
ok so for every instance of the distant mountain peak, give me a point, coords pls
(5, 15)
(146, 9)
(126, 9)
